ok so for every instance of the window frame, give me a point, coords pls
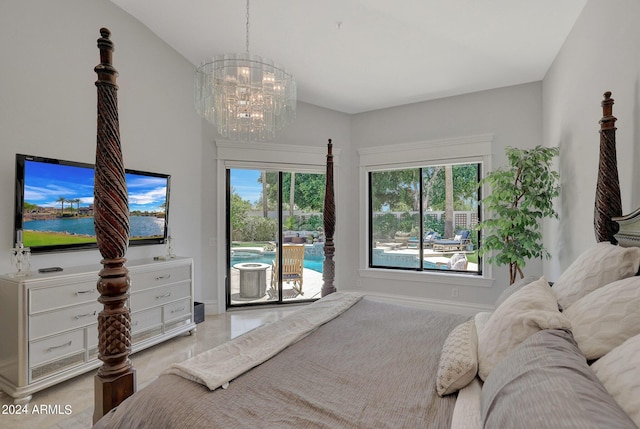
(459, 150)
(421, 268)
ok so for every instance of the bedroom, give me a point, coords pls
(600, 54)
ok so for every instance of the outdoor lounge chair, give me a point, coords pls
(292, 266)
(429, 238)
(458, 243)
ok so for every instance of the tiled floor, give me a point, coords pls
(76, 395)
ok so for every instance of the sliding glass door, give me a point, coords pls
(274, 236)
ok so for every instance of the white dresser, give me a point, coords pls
(49, 328)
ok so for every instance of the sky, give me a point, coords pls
(45, 183)
(245, 183)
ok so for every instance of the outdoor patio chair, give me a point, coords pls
(292, 266)
(427, 242)
(457, 243)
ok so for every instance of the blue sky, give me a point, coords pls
(45, 183)
(245, 183)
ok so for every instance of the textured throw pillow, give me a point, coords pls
(602, 264)
(606, 317)
(516, 286)
(545, 383)
(619, 371)
(458, 360)
(527, 311)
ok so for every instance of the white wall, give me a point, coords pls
(512, 114)
(48, 108)
(601, 54)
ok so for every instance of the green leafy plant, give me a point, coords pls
(521, 196)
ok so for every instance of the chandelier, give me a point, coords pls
(245, 96)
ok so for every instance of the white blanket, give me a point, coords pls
(218, 366)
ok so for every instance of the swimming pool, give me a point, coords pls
(310, 262)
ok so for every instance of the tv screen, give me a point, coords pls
(54, 205)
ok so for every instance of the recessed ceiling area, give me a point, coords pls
(354, 56)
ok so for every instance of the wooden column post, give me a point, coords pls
(328, 267)
(116, 378)
(608, 202)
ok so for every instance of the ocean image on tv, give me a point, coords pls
(58, 205)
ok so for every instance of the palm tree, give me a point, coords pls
(77, 201)
(265, 206)
(448, 201)
(61, 200)
(292, 191)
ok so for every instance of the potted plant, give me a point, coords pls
(521, 196)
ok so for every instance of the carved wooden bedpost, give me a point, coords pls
(328, 267)
(608, 202)
(116, 378)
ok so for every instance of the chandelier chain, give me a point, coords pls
(247, 42)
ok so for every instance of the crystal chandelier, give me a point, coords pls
(246, 96)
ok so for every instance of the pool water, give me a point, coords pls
(310, 262)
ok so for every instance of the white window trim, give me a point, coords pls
(457, 150)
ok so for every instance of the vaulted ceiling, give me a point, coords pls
(360, 55)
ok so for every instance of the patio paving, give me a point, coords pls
(311, 287)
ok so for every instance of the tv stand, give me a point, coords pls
(50, 327)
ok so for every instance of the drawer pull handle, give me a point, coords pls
(167, 276)
(80, 316)
(163, 296)
(177, 310)
(80, 292)
(52, 348)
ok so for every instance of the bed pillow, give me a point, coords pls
(527, 311)
(606, 317)
(480, 319)
(458, 360)
(602, 264)
(516, 286)
(545, 383)
(619, 371)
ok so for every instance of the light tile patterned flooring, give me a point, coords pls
(77, 393)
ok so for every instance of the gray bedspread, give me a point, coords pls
(374, 366)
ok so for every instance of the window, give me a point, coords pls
(391, 179)
(423, 218)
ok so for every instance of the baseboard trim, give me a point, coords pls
(464, 308)
(210, 307)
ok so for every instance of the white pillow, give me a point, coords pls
(606, 317)
(602, 264)
(481, 320)
(619, 372)
(458, 360)
(524, 313)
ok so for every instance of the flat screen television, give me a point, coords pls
(54, 205)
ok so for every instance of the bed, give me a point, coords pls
(546, 357)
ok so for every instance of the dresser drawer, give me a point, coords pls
(177, 310)
(147, 319)
(52, 297)
(45, 324)
(55, 347)
(159, 296)
(145, 280)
